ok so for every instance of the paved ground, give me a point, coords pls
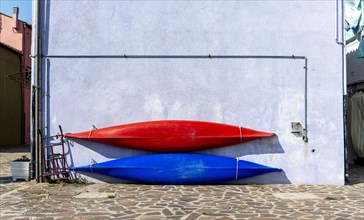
(28, 200)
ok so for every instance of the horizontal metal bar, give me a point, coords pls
(55, 158)
(56, 136)
(50, 169)
(209, 56)
(51, 145)
(56, 173)
(56, 170)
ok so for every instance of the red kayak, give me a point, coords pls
(171, 135)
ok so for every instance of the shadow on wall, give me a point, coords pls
(261, 146)
(269, 145)
(99, 178)
(107, 151)
(269, 178)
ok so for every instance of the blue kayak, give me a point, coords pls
(178, 169)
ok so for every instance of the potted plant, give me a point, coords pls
(20, 168)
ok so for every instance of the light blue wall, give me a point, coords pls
(263, 94)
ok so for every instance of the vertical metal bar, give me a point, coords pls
(34, 91)
(39, 119)
(33, 84)
(53, 162)
(344, 85)
(305, 138)
(43, 157)
(337, 22)
(63, 154)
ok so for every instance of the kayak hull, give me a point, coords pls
(171, 135)
(178, 169)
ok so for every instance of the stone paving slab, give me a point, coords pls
(132, 201)
(29, 200)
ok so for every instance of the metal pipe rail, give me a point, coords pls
(209, 56)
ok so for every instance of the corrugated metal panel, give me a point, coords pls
(10, 98)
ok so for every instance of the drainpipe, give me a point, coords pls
(340, 19)
(34, 109)
(23, 85)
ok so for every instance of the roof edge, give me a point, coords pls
(30, 25)
(11, 48)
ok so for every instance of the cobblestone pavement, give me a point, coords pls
(28, 200)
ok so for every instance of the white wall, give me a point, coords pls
(263, 94)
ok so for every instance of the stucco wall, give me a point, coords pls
(263, 94)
